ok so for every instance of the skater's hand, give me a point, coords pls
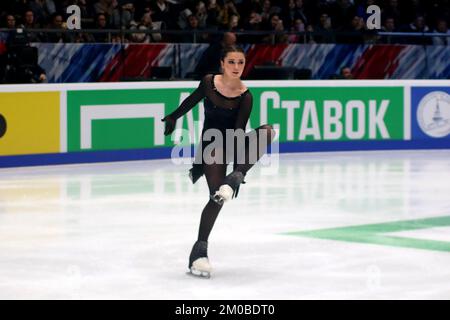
(170, 125)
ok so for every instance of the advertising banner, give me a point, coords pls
(29, 123)
(129, 119)
(118, 119)
(75, 123)
(304, 114)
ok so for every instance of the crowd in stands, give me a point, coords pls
(304, 21)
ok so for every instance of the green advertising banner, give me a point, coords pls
(119, 119)
(130, 119)
(333, 113)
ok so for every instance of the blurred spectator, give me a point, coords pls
(43, 10)
(233, 23)
(10, 21)
(346, 73)
(388, 26)
(418, 26)
(277, 26)
(266, 12)
(298, 26)
(30, 23)
(293, 12)
(309, 34)
(146, 24)
(142, 7)
(226, 12)
(162, 12)
(201, 14)
(101, 24)
(392, 10)
(212, 14)
(122, 15)
(193, 27)
(105, 6)
(183, 18)
(249, 6)
(136, 37)
(442, 29)
(343, 14)
(253, 23)
(211, 56)
(324, 30)
(57, 24)
(354, 31)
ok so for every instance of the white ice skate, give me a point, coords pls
(198, 260)
(224, 194)
(229, 187)
(201, 268)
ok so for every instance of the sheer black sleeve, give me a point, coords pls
(190, 101)
(244, 112)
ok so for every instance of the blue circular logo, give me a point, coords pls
(433, 114)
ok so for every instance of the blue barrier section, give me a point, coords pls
(165, 152)
(84, 157)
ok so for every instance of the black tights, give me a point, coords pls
(215, 174)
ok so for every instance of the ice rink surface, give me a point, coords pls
(353, 225)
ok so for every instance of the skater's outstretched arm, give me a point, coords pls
(184, 107)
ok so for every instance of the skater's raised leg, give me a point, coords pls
(259, 140)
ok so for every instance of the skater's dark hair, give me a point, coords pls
(229, 49)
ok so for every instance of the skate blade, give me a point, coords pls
(199, 274)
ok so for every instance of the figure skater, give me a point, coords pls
(228, 104)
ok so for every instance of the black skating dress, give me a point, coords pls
(221, 113)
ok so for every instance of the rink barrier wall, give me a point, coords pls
(50, 124)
